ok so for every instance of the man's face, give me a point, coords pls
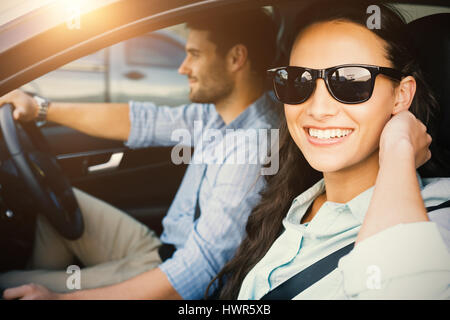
(209, 80)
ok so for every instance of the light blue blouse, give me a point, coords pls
(407, 261)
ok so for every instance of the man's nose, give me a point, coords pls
(183, 68)
(321, 104)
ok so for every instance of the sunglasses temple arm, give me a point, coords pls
(392, 73)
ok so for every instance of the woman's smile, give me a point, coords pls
(326, 136)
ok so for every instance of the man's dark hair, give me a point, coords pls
(255, 29)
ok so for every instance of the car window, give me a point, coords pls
(93, 62)
(142, 68)
(154, 50)
(412, 11)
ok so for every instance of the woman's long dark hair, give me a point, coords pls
(295, 175)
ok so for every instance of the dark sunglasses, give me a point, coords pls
(349, 83)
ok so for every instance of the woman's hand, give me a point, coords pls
(408, 136)
(396, 199)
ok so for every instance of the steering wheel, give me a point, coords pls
(49, 188)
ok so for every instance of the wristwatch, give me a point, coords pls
(43, 107)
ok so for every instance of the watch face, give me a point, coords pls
(41, 101)
(42, 111)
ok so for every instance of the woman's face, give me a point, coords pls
(325, 45)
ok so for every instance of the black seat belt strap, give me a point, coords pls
(197, 203)
(445, 204)
(310, 275)
(305, 278)
(197, 208)
(167, 250)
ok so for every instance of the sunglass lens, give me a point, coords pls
(351, 84)
(291, 86)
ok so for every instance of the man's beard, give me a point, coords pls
(211, 94)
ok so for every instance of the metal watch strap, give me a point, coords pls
(43, 108)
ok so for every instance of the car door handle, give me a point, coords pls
(134, 75)
(112, 164)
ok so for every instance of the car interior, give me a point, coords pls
(143, 182)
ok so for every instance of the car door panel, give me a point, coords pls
(143, 183)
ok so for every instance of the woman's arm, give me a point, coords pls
(396, 198)
(399, 254)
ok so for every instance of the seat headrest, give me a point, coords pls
(431, 37)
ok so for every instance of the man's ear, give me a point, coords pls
(237, 57)
(404, 94)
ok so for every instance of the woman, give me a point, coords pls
(350, 147)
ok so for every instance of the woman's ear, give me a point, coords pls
(237, 57)
(404, 94)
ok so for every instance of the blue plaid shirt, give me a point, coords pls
(227, 190)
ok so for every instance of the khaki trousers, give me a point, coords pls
(114, 247)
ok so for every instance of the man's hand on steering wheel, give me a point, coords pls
(25, 107)
(37, 166)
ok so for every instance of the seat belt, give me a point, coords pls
(166, 250)
(318, 270)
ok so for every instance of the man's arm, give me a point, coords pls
(104, 120)
(152, 284)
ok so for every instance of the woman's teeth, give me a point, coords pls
(329, 133)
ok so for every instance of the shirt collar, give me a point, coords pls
(358, 206)
(259, 108)
(302, 202)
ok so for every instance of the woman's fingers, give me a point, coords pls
(422, 140)
(404, 126)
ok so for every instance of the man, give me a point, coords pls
(227, 56)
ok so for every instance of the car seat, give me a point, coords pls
(431, 38)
